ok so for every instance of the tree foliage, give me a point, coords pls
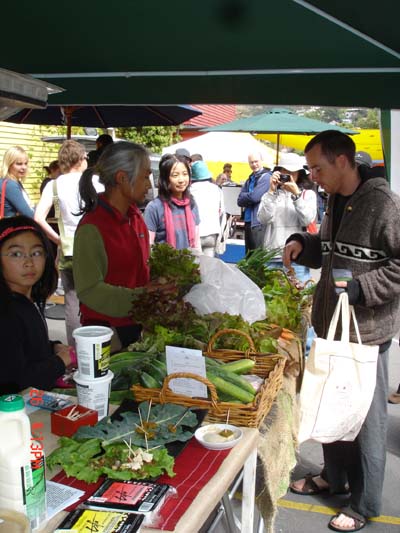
(155, 138)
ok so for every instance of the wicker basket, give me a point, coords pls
(262, 360)
(248, 415)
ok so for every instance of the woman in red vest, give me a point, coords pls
(111, 248)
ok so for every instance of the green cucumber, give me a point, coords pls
(160, 364)
(148, 381)
(227, 398)
(157, 373)
(213, 362)
(128, 355)
(243, 366)
(235, 379)
(117, 396)
(229, 388)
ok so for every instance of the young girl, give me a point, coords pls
(173, 217)
(15, 169)
(27, 278)
(111, 247)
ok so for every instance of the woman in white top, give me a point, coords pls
(289, 206)
(209, 201)
(72, 161)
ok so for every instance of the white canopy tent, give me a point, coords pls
(218, 148)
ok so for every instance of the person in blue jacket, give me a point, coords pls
(253, 189)
(14, 171)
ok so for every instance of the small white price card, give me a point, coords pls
(186, 360)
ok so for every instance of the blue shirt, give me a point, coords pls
(15, 203)
(155, 221)
(248, 210)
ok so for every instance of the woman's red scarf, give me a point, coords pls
(169, 223)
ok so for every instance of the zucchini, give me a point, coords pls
(157, 373)
(160, 364)
(243, 366)
(226, 398)
(148, 381)
(128, 355)
(235, 379)
(229, 388)
(117, 396)
(213, 362)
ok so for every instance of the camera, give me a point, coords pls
(284, 178)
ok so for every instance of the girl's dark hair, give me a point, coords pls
(47, 284)
(304, 182)
(167, 162)
(126, 156)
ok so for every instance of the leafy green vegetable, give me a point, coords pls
(180, 265)
(284, 300)
(173, 273)
(254, 265)
(87, 460)
(165, 423)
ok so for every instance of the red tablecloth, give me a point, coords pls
(194, 467)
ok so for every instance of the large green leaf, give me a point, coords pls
(169, 420)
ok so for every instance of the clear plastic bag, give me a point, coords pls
(226, 289)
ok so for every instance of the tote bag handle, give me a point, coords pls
(347, 310)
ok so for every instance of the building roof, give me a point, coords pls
(212, 116)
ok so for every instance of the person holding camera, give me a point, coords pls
(289, 206)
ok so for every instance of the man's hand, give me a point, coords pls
(291, 252)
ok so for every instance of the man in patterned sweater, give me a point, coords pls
(359, 233)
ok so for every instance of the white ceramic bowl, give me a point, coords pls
(203, 435)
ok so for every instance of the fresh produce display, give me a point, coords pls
(197, 332)
(286, 297)
(230, 385)
(129, 448)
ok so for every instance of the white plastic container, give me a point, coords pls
(93, 344)
(94, 393)
(22, 472)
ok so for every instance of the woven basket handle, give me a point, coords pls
(165, 388)
(238, 332)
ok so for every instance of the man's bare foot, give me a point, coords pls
(309, 485)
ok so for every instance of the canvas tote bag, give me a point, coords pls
(67, 242)
(338, 383)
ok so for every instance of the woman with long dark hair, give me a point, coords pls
(173, 217)
(27, 278)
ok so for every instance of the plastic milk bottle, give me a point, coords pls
(22, 471)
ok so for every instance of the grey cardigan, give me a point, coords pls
(368, 244)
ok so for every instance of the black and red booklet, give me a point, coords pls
(127, 496)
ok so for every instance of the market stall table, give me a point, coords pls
(243, 456)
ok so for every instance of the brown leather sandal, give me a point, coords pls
(359, 521)
(309, 487)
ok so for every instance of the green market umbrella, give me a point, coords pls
(279, 121)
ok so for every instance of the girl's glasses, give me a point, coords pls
(20, 256)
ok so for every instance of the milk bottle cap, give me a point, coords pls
(11, 402)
